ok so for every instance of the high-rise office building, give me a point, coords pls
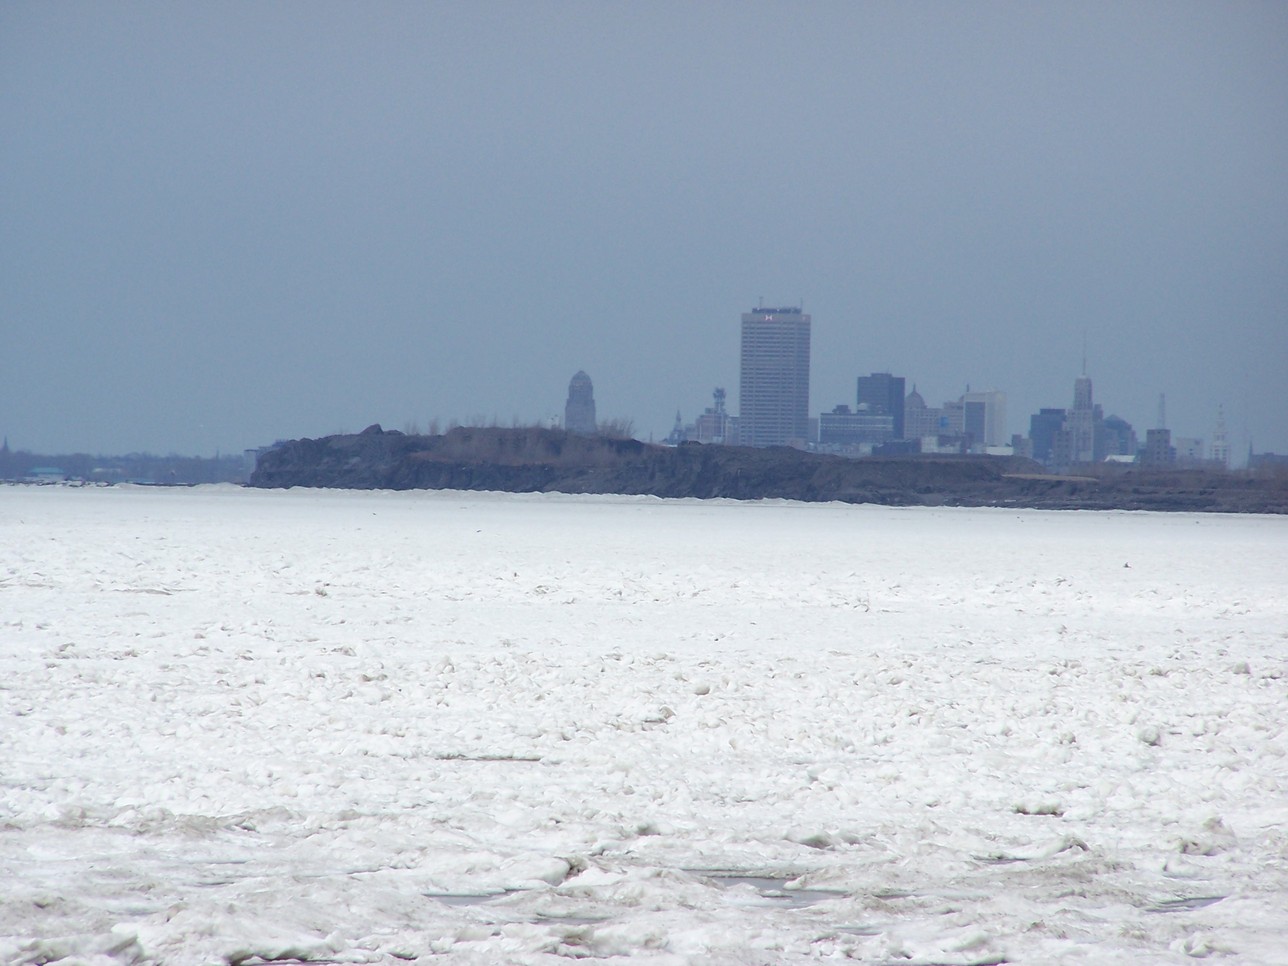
(1082, 393)
(773, 387)
(1081, 423)
(984, 417)
(1220, 441)
(882, 394)
(1044, 426)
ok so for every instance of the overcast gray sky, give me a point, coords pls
(225, 223)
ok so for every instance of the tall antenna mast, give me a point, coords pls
(1162, 410)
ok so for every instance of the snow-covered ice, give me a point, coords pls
(241, 725)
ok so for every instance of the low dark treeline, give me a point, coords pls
(133, 467)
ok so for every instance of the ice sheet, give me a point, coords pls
(242, 725)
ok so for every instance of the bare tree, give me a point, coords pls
(617, 428)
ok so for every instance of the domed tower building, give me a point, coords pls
(579, 410)
(919, 420)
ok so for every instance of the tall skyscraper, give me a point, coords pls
(1081, 423)
(774, 385)
(579, 410)
(882, 393)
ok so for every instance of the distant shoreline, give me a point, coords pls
(543, 460)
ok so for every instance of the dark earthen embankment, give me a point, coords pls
(537, 460)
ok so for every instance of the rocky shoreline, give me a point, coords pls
(542, 460)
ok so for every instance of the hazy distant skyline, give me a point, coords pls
(228, 223)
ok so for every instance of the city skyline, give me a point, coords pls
(234, 223)
(982, 415)
(578, 413)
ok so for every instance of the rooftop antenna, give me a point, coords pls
(1162, 410)
(1084, 352)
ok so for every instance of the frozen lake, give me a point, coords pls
(242, 725)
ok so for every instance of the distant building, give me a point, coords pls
(882, 393)
(1159, 450)
(1119, 439)
(679, 432)
(919, 420)
(1190, 451)
(984, 418)
(579, 410)
(1081, 423)
(953, 422)
(1220, 452)
(843, 427)
(1062, 438)
(1043, 427)
(713, 425)
(774, 381)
